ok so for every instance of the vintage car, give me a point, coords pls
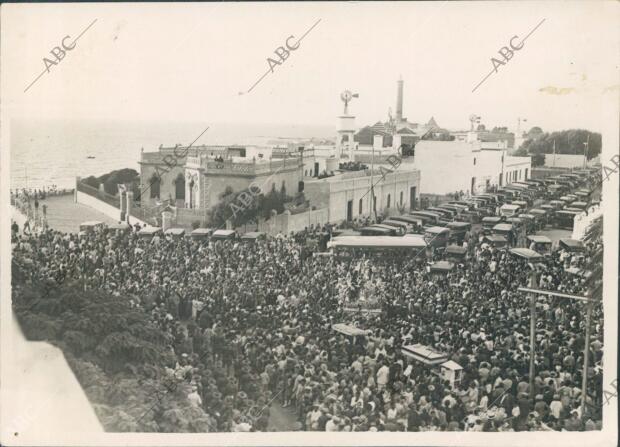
(150, 232)
(579, 205)
(220, 235)
(455, 252)
(525, 253)
(510, 210)
(119, 228)
(91, 226)
(440, 364)
(415, 224)
(437, 237)
(565, 219)
(571, 245)
(458, 230)
(175, 232)
(531, 221)
(504, 229)
(433, 218)
(540, 244)
(253, 236)
(557, 204)
(402, 227)
(495, 240)
(201, 233)
(489, 222)
(379, 230)
(442, 267)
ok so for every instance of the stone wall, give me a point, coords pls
(285, 223)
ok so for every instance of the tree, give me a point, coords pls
(118, 356)
(566, 142)
(534, 132)
(481, 128)
(121, 176)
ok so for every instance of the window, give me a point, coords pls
(374, 203)
(155, 182)
(401, 198)
(388, 200)
(361, 206)
(474, 161)
(179, 187)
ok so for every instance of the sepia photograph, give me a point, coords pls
(309, 223)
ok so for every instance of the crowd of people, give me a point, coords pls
(251, 323)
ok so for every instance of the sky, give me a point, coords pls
(189, 62)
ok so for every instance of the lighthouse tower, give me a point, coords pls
(346, 128)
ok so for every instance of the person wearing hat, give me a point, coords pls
(556, 408)
(573, 423)
(332, 424)
(541, 406)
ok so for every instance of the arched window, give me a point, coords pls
(388, 200)
(179, 187)
(154, 183)
(361, 206)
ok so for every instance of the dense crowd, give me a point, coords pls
(251, 323)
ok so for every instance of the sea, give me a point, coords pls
(53, 152)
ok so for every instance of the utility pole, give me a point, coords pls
(586, 358)
(586, 145)
(373, 201)
(532, 284)
(594, 286)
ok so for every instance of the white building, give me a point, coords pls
(450, 166)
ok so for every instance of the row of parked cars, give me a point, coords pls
(151, 232)
(502, 213)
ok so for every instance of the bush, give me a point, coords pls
(195, 224)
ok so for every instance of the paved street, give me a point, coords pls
(281, 419)
(65, 215)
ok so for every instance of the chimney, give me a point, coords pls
(399, 100)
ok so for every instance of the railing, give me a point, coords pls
(115, 201)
